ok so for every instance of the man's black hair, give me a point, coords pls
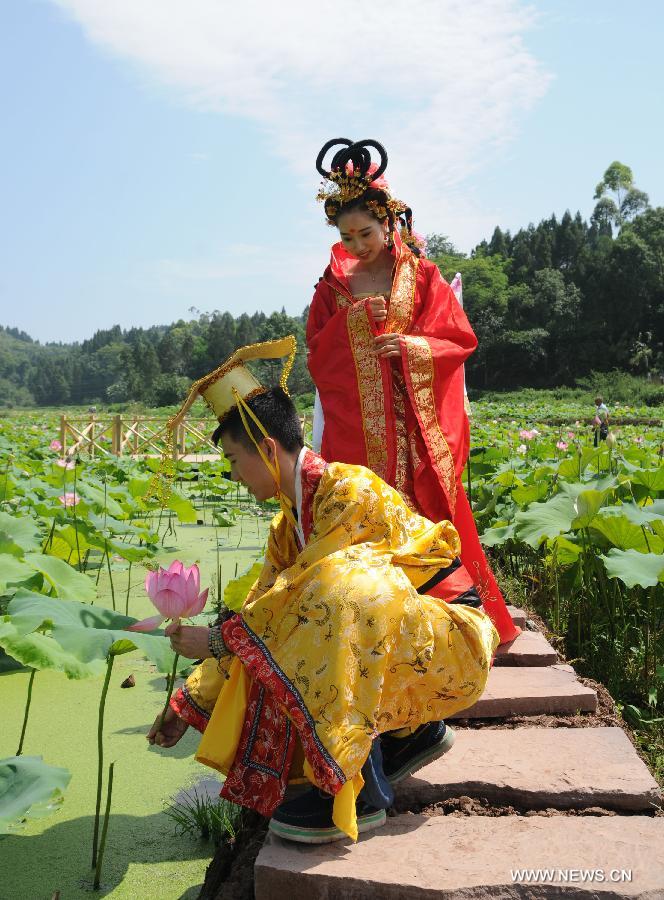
(277, 414)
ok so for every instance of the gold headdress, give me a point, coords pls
(351, 172)
(233, 385)
(232, 380)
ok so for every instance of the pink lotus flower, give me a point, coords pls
(571, 435)
(55, 445)
(638, 440)
(65, 463)
(69, 498)
(176, 594)
(526, 435)
(561, 445)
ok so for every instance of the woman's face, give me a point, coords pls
(362, 235)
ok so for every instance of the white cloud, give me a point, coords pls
(443, 83)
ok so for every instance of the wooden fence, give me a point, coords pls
(123, 435)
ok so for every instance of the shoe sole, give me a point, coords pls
(423, 758)
(325, 835)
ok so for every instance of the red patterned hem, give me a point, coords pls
(242, 641)
(182, 704)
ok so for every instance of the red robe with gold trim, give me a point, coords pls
(406, 420)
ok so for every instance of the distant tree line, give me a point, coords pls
(549, 305)
(553, 302)
(152, 365)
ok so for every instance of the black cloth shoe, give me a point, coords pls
(404, 756)
(308, 819)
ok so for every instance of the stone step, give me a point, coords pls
(536, 768)
(457, 858)
(530, 648)
(531, 691)
(519, 616)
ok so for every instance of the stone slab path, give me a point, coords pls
(532, 691)
(580, 798)
(537, 768)
(530, 648)
(519, 616)
(414, 857)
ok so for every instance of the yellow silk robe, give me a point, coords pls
(340, 641)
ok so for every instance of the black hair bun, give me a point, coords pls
(358, 153)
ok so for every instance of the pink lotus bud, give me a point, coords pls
(69, 498)
(176, 594)
(55, 445)
(65, 463)
(561, 445)
(610, 439)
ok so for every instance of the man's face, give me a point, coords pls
(248, 468)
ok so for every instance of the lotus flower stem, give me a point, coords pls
(171, 682)
(102, 843)
(78, 549)
(4, 494)
(49, 539)
(27, 710)
(110, 576)
(216, 540)
(128, 589)
(100, 756)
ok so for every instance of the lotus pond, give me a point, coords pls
(576, 532)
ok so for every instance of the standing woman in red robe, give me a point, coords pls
(387, 342)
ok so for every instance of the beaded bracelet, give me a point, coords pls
(216, 643)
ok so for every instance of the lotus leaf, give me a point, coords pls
(66, 582)
(18, 535)
(236, 591)
(545, 520)
(632, 567)
(28, 788)
(86, 632)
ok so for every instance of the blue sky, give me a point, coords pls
(159, 156)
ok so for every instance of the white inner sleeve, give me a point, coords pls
(318, 426)
(298, 495)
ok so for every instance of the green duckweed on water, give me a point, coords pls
(144, 858)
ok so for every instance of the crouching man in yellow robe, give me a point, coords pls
(342, 664)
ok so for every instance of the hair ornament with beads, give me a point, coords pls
(351, 172)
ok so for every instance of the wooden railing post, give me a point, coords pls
(136, 423)
(116, 435)
(91, 444)
(63, 434)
